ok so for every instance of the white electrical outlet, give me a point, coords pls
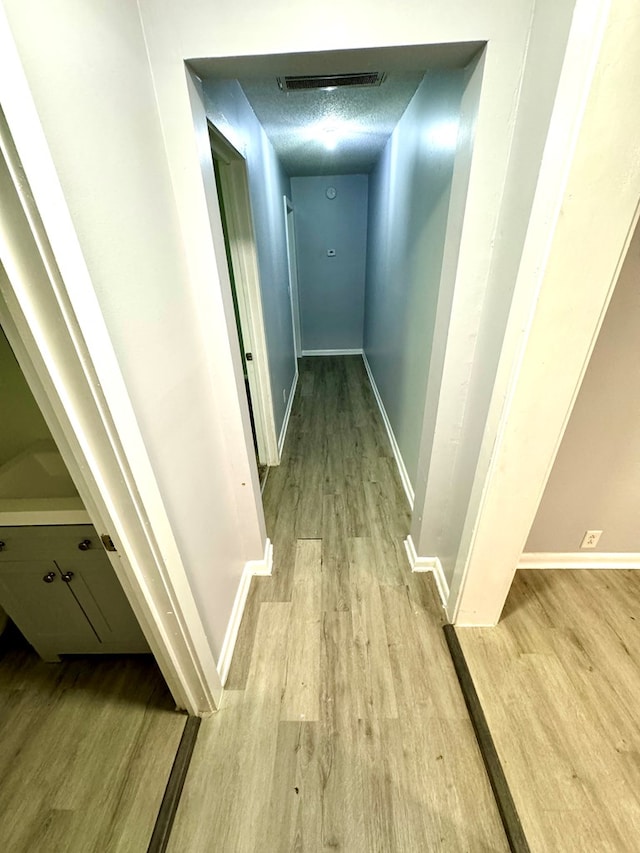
(591, 538)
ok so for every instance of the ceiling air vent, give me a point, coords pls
(330, 81)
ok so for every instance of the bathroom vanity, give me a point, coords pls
(56, 581)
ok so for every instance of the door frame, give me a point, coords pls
(55, 327)
(587, 195)
(292, 266)
(234, 189)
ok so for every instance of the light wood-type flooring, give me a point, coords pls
(559, 682)
(343, 727)
(86, 748)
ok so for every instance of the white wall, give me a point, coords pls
(22, 423)
(595, 480)
(468, 381)
(229, 110)
(88, 71)
(410, 188)
(331, 289)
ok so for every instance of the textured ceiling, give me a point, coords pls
(338, 132)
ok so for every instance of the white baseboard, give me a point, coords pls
(579, 560)
(428, 564)
(332, 352)
(263, 567)
(404, 476)
(287, 414)
(251, 568)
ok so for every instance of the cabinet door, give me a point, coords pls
(98, 592)
(39, 602)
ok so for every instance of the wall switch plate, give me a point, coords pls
(284, 394)
(591, 538)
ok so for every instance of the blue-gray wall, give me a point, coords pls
(409, 191)
(229, 110)
(331, 289)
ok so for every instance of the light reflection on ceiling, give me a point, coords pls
(342, 131)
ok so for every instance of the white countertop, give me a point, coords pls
(25, 512)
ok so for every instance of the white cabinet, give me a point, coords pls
(58, 586)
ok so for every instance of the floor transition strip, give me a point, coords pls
(175, 784)
(506, 806)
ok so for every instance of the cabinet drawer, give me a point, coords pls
(45, 541)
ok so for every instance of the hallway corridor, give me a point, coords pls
(343, 726)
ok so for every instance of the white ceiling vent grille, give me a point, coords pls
(330, 81)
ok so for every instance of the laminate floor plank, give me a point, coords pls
(376, 691)
(228, 793)
(407, 654)
(347, 730)
(562, 667)
(86, 749)
(301, 688)
(377, 741)
(343, 815)
(239, 669)
(351, 486)
(335, 574)
(260, 715)
(290, 822)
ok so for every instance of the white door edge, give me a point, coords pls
(292, 266)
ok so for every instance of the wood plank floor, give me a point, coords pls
(559, 682)
(343, 727)
(86, 748)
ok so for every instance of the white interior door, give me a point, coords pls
(237, 220)
(292, 261)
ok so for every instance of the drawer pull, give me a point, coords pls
(85, 545)
(49, 577)
(2, 546)
(67, 576)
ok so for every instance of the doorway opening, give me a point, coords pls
(56, 331)
(68, 635)
(56, 582)
(374, 200)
